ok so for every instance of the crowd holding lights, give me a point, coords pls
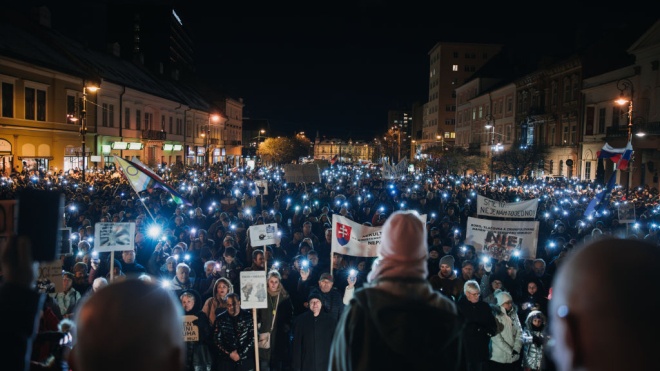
(353, 187)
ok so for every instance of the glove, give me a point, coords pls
(537, 340)
(514, 353)
(195, 322)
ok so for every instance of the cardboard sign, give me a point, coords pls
(190, 331)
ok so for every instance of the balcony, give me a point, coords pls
(214, 141)
(154, 135)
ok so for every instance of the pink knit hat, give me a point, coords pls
(403, 249)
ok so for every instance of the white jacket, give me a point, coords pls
(508, 338)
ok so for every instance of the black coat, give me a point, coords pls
(312, 338)
(479, 326)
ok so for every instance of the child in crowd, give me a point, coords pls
(534, 341)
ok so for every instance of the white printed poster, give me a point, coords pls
(114, 236)
(501, 239)
(253, 289)
(626, 212)
(501, 209)
(355, 239)
(263, 234)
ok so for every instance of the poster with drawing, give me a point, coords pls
(114, 236)
(49, 278)
(263, 234)
(253, 289)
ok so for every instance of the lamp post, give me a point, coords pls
(83, 124)
(212, 118)
(623, 85)
(490, 125)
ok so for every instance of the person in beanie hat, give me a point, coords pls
(446, 280)
(312, 336)
(507, 343)
(402, 323)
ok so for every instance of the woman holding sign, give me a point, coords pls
(275, 326)
(196, 332)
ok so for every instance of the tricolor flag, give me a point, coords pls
(615, 154)
(622, 164)
(141, 178)
(333, 160)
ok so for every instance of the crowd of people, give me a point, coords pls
(324, 309)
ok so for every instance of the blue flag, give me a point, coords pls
(602, 198)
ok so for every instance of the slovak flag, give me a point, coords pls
(625, 158)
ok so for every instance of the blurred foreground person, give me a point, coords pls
(20, 303)
(130, 325)
(397, 321)
(597, 319)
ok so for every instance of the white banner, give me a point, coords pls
(263, 234)
(354, 239)
(501, 209)
(500, 239)
(114, 236)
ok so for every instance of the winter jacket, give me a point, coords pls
(507, 343)
(397, 324)
(281, 330)
(534, 342)
(450, 287)
(312, 338)
(479, 326)
(234, 333)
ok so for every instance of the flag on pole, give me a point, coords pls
(602, 198)
(610, 152)
(141, 178)
(623, 162)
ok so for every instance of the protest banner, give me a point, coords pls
(501, 209)
(501, 239)
(114, 236)
(302, 173)
(263, 234)
(354, 239)
(190, 331)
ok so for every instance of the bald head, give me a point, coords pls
(602, 302)
(130, 325)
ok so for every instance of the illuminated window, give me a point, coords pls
(454, 67)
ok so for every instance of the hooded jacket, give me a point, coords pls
(397, 324)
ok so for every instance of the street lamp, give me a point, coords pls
(83, 123)
(212, 118)
(623, 85)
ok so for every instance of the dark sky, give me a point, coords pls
(336, 70)
(337, 67)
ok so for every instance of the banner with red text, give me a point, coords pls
(502, 239)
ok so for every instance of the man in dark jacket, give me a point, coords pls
(479, 325)
(312, 337)
(233, 335)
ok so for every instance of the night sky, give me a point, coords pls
(337, 67)
(336, 70)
